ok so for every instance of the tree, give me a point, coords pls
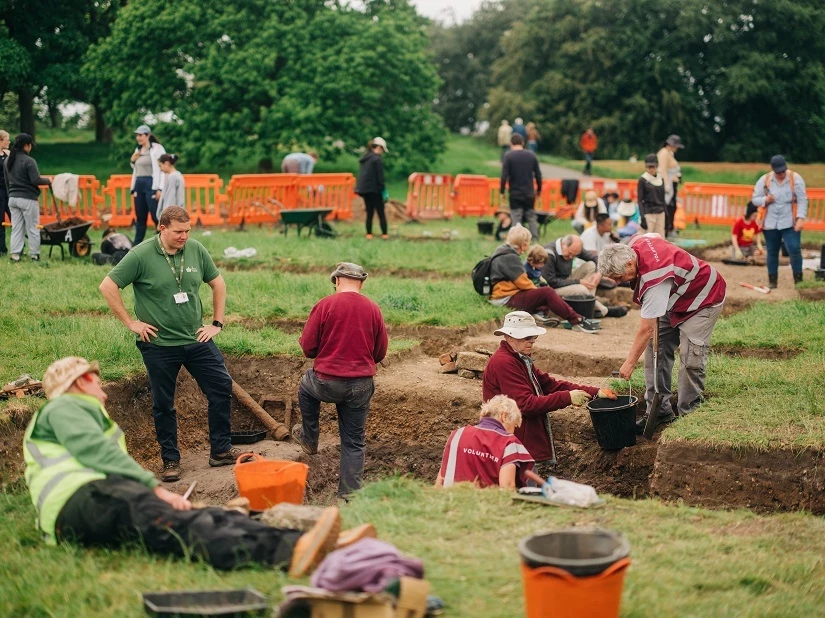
(247, 79)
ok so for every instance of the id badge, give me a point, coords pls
(181, 297)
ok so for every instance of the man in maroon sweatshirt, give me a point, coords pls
(346, 336)
(511, 372)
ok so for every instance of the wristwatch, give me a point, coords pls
(216, 323)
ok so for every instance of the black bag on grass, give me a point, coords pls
(481, 276)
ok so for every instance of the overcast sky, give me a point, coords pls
(447, 10)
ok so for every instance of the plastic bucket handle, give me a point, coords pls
(569, 578)
(248, 458)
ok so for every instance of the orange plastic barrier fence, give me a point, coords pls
(258, 198)
(327, 191)
(471, 195)
(117, 199)
(428, 196)
(204, 198)
(88, 200)
(543, 203)
(625, 188)
(816, 210)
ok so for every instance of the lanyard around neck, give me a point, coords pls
(178, 276)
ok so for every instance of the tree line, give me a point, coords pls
(739, 80)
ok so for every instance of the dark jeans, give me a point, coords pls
(145, 205)
(793, 243)
(374, 203)
(4, 212)
(117, 510)
(352, 401)
(522, 209)
(588, 162)
(670, 211)
(205, 362)
(544, 299)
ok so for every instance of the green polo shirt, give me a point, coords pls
(155, 286)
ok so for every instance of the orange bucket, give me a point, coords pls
(574, 573)
(266, 482)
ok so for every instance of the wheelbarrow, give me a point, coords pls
(312, 218)
(70, 232)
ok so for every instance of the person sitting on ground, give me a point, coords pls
(88, 490)
(536, 259)
(583, 281)
(487, 454)
(590, 206)
(512, 288)
(511, 372)
(745, 231)
(611, 200)
(114, 247)
(505, 221)
(299, 162)
(597, 237)
(651, 195)
(630, 220)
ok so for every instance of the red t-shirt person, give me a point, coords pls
(746, 232)
(476, 454)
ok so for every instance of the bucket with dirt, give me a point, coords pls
(614, 421)
(267, 482)
(574, 573)
(583, 305)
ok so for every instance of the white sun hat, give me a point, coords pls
(520, 325)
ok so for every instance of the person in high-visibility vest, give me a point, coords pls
(88, 490)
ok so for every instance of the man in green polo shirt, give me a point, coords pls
(166, 273)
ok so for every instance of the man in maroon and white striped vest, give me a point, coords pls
(685, 295)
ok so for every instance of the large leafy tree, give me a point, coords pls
(252, 79)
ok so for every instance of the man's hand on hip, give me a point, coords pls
(143, 330)
(206, 333)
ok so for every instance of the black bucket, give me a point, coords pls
(485, 227)
(580, 552)
(614, 421)
(583, 305)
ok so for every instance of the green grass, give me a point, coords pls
(685, 561)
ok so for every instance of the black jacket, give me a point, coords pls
(557, 270)
(371, 174)
(651, 198)
(22, 179)
(518, 169)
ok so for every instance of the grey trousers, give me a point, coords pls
(25, 217)
(352, 402)
(692, 338)
(584, 270)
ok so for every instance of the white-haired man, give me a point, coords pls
(680, 295)
(88, 490)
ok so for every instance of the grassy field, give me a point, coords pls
(685, 561)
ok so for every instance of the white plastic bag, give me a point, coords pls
(568, 492)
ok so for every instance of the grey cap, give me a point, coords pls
(778, 164)
(143, 130)
(675, 140)
(348, 270)
(651, 159)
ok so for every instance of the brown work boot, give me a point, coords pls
(313, 546)
(353, 535)
(226, 459)
(171, 471)
(298, 436)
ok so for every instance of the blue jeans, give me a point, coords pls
(145, 205)
(793, 243)
(588, 162)
(352, 401)
(205, 363)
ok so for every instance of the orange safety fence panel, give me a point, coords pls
(117, 200)
(429, 196)
(816, 210)
(88, 200)
(471, 195)
(627, 189)
(550, 199)
(258, 198)
(204, 199)
(714, 204)
(327, 191)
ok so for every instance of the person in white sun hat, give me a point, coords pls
(511, 372)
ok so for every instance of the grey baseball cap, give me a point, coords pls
(778, 164)
(675, 140)
(348, 270)
(143, 130)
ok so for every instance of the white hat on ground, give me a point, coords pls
(520, 325)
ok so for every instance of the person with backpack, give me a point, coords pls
(509, 286)
(781, 196)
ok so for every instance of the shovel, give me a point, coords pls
(653, 416)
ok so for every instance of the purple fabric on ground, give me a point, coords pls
(368, 565)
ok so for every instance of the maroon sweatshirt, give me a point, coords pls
(346, 336)
(506, 374)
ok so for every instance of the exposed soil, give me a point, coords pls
(779, 353)
(812, 293)
(416, 407)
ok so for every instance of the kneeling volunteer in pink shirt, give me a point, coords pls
(487, 454)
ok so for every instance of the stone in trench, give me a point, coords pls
(466, 373)
(472, 361)
(448, 368)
